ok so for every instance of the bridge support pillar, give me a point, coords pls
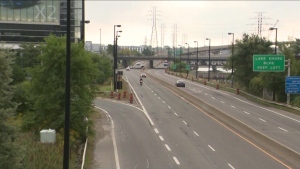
(125, 63)
(151, 64)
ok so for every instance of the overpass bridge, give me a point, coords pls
(218, 56)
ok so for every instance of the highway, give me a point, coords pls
(277, 124)
(169, 132)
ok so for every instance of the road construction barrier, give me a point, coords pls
(217, 87)
(131, 98)
(204, 82)
(119, 96)
(124, 94)
(111, 94)
(237, 91)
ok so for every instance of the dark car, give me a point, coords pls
(180, 83)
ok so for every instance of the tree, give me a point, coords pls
(296, 47)
(47, 88)
(104, 66)
(243, 57)
(148, 52)
(8, 149)
(109, 49)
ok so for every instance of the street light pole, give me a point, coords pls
(179, 59)
(100, 42)
(174, 58)
(197, 61)
(275, 39)
(208, 59)
(115, 57)
(188, 52)
(232, 58)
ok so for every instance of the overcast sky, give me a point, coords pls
(195, 20)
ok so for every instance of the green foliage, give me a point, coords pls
(296, 47)
(19, 74)
(104, 66)
(8, 149)
(28, 56)
(148, 52)
(256, 86)
(47, 88)
(42, 155)
(243, 55)
(109, 49)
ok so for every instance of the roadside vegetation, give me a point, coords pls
(255, 83)
(32, 99)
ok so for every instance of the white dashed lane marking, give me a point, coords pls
(211, 148)
(184, 122)
(167, 147)
(222, 102)
(232, 106)
(169, 107)
(262, 119)
(156, 131)
(176, 114)
(161, 138)
(176, 161)
(196, 133)
(283, 129)
(212, 97)
(246, 112)
(230, 166)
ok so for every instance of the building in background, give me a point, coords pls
(30, 21)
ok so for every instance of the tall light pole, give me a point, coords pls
(232, 52)
(67, 91)
(197, 61)
(179, 59)
(188, 52)
(275, 39)
(100, 42)
(82, 24)
(275, 54)
(208, 59)
(115, 57)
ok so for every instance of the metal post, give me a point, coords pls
(67, 90)
(174, 58)
(100, 42)
(276, 42)
(289, 73)
(197, 62)
(115, 57)
(180, 60)
(208, 59)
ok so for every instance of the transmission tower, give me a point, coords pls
(162, 35)
(260, 22)
(175, 36)
(154, 40)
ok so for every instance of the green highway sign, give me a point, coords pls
(187, 67)
(268, 63)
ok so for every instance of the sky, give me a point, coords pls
(194, 20)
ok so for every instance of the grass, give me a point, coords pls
(91, 142)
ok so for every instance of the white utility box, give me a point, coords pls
(48, 136)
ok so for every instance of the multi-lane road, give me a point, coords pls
(166, 131)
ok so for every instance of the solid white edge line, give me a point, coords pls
(156, 131)
(144, 110)
(196, 133)
(231, 166)
(283, 129)
(211, 148)
(168, 148)
(176, 161)
(161, 138)
(113, 138)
